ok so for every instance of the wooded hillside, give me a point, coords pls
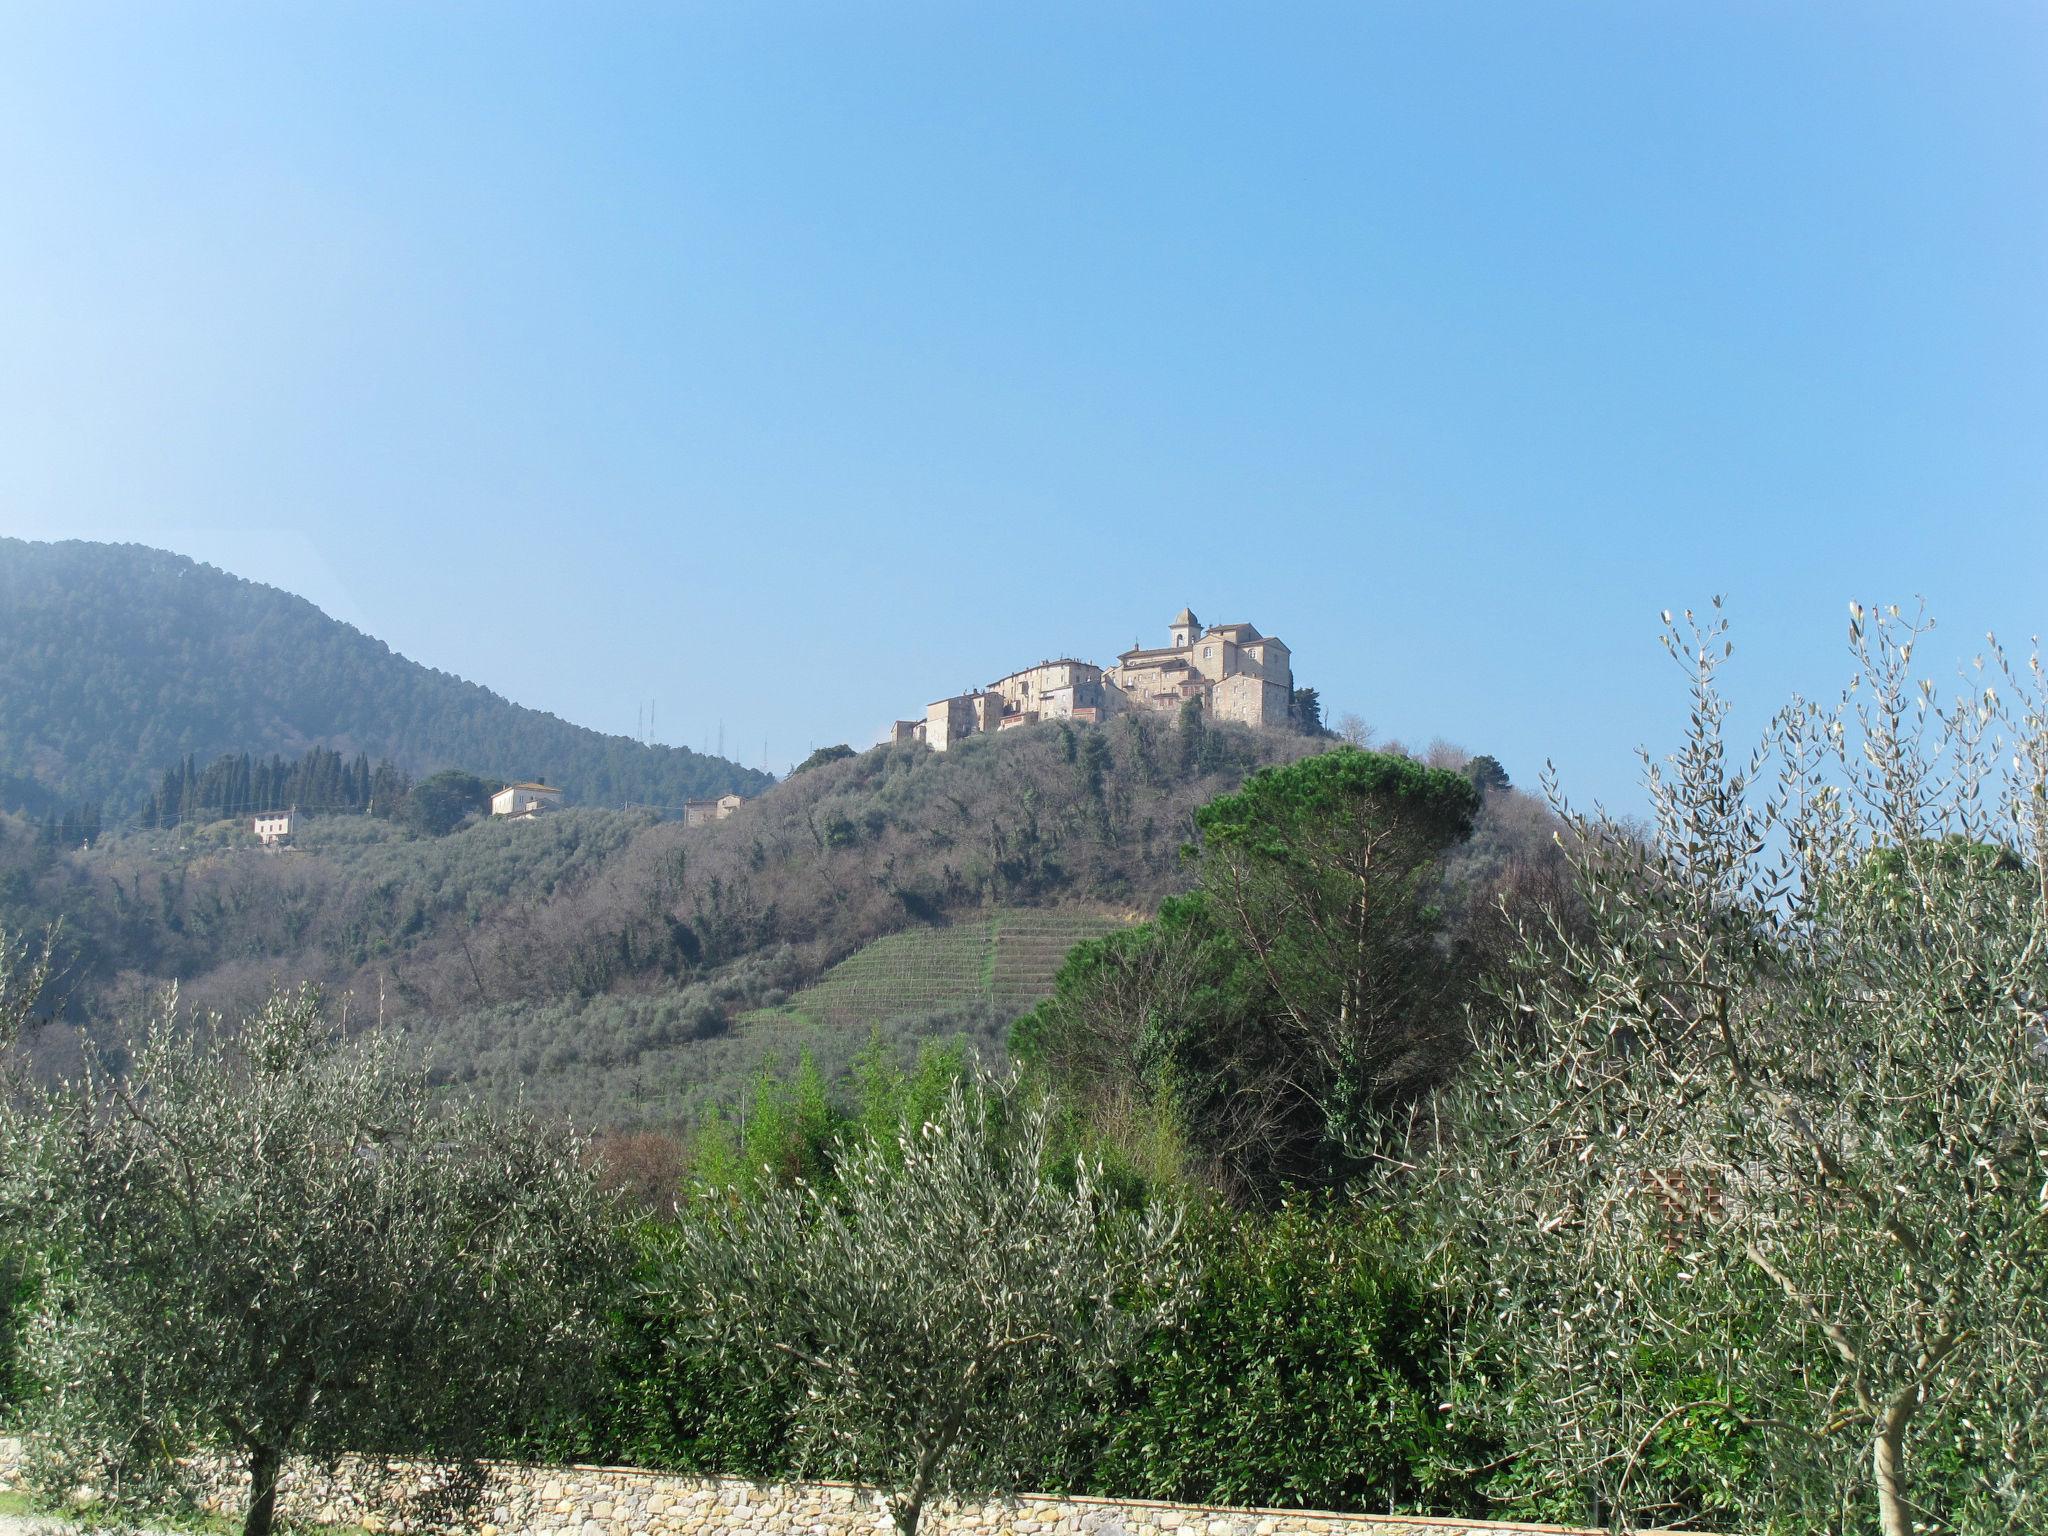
(117, 662)
(602, 960)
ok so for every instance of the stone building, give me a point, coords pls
(1053, 690)
(955, 719)
(1236, 672)
(1231, 670)
(701, 813)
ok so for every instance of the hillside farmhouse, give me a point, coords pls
(701, 813)
(1230, 671)
(273, 828)
(523, 802)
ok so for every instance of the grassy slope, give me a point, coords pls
(999, 966)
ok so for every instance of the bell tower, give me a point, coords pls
(1185, 627)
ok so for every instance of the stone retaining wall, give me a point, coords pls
(623, 1501)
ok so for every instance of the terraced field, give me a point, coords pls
(997, 968)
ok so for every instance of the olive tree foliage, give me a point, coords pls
(25, 973)
(269, 1240)
(1763, 1142)
(947, 1312)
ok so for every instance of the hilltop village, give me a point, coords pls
(1229, 671)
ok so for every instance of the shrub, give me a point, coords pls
(1308, 1373)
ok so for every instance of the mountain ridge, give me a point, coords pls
(119, 660)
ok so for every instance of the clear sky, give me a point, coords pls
(794, 365)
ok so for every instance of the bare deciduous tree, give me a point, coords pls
(1771, 1116)
(1354, 730)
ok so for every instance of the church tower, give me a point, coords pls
(1185, 627)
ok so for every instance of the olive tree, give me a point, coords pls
(25, 972)
(269, 1240)
(945, 1311)
(1762, 1139)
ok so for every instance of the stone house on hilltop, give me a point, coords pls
(1053, 690)
(1236, 672)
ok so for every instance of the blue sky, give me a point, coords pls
(793, 365)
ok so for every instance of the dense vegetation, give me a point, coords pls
(1470, 1156)
(1307, 988)
(1726, 1214)
(601, 962)
(118, 661)
(236, 784)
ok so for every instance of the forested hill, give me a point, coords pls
(626, 969)
(118, 661)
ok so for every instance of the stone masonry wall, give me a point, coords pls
(622, 1501)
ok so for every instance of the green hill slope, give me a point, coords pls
(990, 970)
(117, 661)
(603, 963)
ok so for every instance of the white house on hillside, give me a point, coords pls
(272, 828)
(523, 802)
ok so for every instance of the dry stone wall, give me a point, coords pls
(514, 1500)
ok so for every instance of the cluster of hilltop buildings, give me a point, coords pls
(1229, 671)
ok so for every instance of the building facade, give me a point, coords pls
(965, 714)
(273, 828)
(701, 813)
(523, 802)
(1234, 671)
(1053, 690)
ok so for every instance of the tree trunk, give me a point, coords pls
(910, 1508)
(1887, 1454)
(264, 1464)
